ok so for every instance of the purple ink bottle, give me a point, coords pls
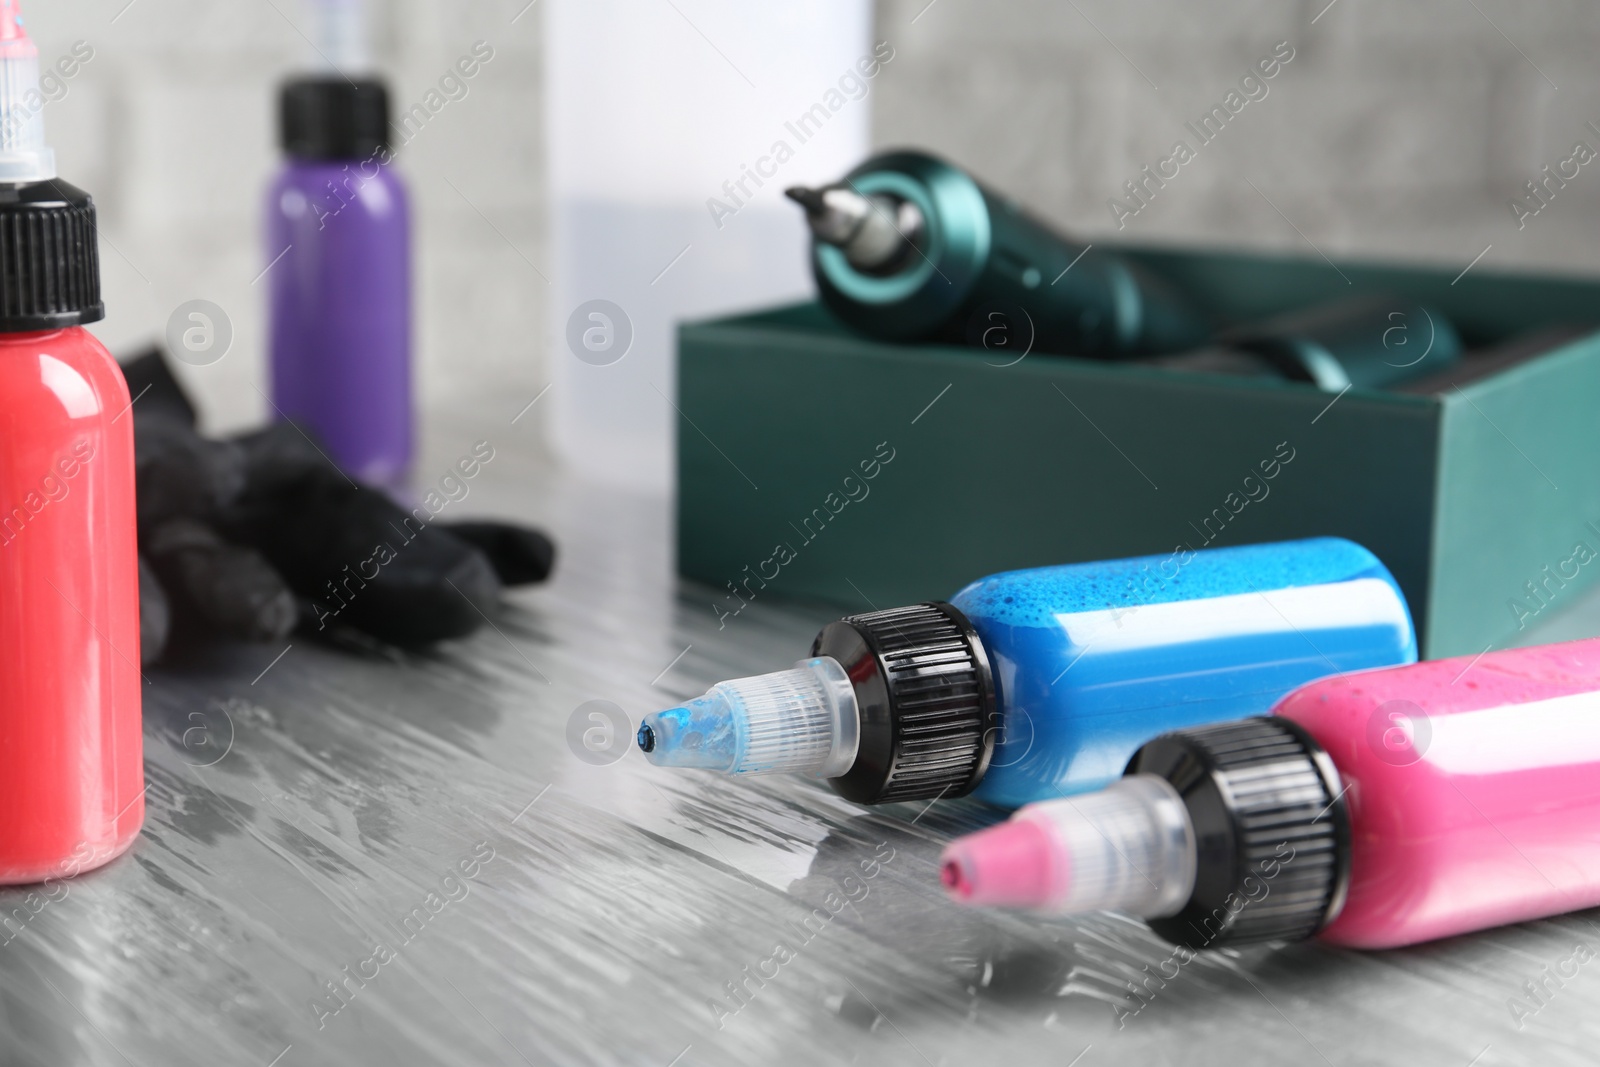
(339, 245)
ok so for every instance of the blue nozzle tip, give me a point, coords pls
(700, 733)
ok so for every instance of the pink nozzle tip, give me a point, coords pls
(1009, 865)
(11, 21)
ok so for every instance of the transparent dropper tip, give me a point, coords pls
(339, 36)
(1128, 848)
(24, 157)
(802, 720)
(698, 733)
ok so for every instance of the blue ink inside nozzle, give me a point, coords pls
(803, 719)
(703, 732)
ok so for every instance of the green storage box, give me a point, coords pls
(1480, 499)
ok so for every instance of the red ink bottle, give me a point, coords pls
(71, 751)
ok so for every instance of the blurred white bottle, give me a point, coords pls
(673, 129)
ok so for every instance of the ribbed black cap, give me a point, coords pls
(1271, 830)
(926, 697)
(49, 257)
(333, 118)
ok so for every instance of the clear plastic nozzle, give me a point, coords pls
(339, 35)
(802, 721)
(1128, 848)
(24, 157)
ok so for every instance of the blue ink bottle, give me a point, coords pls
(1042, 683)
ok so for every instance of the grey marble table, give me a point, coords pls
(405, 859)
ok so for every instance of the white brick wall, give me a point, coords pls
(172, 127)
(1399, 129)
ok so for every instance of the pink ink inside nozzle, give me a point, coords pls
(11, 28)
(19, 56)
(1129, 848)
(1011, 865)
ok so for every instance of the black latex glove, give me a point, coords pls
(520, 555)
(242, 538)
(356, 556)
(190, 580)
(155, 618)
(179, 474)
(228, 589)
(154, 389)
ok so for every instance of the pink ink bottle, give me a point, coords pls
(1372, 810)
